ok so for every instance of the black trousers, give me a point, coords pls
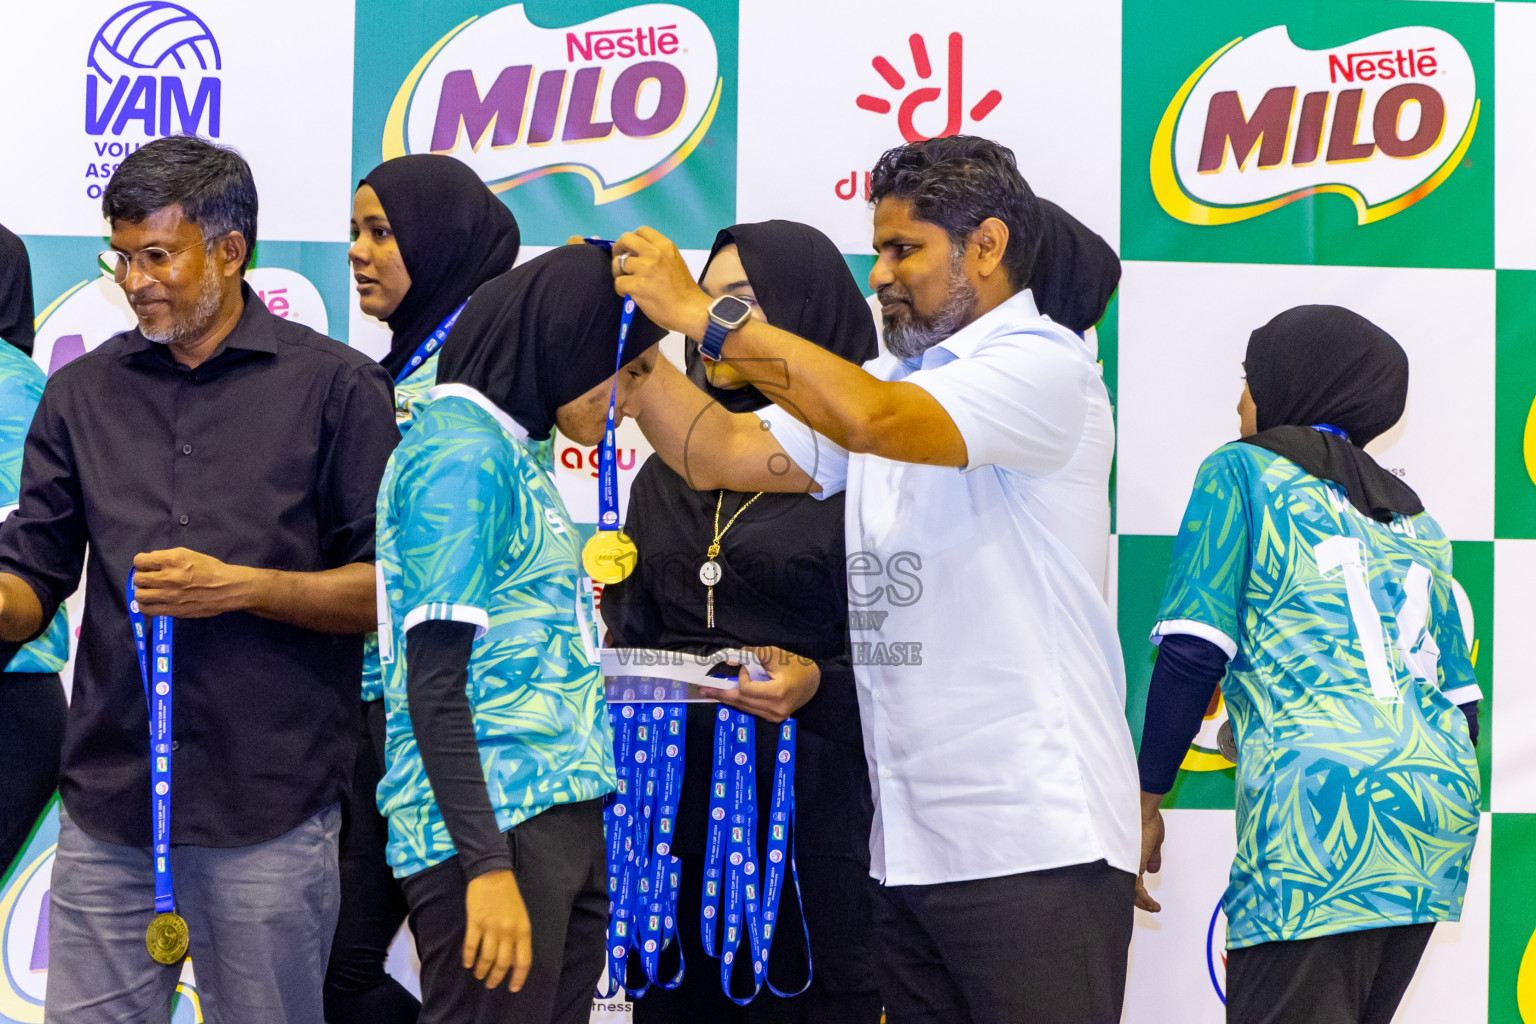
(357, 988)
(1350, 978)
(32, 712)
(1042, 947)
(560, 863)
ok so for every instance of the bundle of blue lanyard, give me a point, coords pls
(644, 876)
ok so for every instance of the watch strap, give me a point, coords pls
(713, 341)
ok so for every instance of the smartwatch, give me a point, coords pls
(726, 314)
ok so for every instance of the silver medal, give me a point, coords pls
(709, 573)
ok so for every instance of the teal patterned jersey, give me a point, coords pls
(410, 395)
(1357, 784)
(21, 388)
(472, 529)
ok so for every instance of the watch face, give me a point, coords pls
(730, 310)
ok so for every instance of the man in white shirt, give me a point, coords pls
(975, 454)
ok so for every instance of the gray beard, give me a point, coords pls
(916, 335)
(203, 314)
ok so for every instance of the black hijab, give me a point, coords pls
(454, 235)
(15, 292)
(804, 287)
(1076, 272)
(1327, 365)
(543, 335)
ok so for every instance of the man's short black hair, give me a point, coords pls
(213, 185)
(957, 182)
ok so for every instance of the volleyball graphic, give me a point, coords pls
(153, 35)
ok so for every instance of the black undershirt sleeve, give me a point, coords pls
(1186, 673)
(1470, 710)
(437, 674)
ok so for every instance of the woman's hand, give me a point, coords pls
(497, 935)
(792, 681)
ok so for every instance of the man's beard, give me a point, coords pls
(911, 336)
(203, 313)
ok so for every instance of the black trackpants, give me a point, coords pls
(1350, 978)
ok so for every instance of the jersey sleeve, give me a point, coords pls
(822, 460)
(1210, 559)
(454, 502)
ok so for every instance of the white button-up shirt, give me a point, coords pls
(990, 676)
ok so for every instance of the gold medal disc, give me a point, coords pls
(167, 938)
(609, 556)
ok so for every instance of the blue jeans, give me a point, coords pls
(261, 920)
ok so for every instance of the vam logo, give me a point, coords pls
(1384, 120)
(152, 70)
(621, 100)
(95, 309)
(1213, 749)
(1216, 952)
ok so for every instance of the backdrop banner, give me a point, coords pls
(1242, 156)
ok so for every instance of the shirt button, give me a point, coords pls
(885, 773)
(186, 449)
(185, 519)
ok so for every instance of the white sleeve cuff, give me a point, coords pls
(439, 611)
(1463, 694)
(1190, 627)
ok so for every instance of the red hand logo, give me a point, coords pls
(927, 94)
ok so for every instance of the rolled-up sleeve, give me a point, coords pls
(360, 434)
(43, 540)
(1020, 401)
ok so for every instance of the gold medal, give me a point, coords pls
(167, 938)
(609, 556)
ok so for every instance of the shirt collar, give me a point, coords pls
(253, 332)
(1017, 312)
(469, 394)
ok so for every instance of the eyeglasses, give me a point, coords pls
(152, 261)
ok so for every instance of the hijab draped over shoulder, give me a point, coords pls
(1326, 365)
(454, 235)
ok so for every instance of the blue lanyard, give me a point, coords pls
(607, 461)
(781, 827)
(658, 920)
(618, 823)
(432, 344)
(1328, 428)
(742, 884)
(714, 850)
(157, 694)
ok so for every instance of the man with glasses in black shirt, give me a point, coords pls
(232, 458)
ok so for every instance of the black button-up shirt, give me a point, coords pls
(269, 454)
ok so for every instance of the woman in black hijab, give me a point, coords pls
(426, 232)
(498, 746)
(1311, 586)
(782, 584)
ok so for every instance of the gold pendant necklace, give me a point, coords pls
(710, 572)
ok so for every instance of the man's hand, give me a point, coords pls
(654, 273)
(185, 584)
(497, 935)
(1151, 848)
(792, 680)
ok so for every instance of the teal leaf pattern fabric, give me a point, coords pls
(472, 528)
(21, 388)
(1352, 812)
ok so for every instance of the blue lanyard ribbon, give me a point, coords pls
(156, 674)
(1329, 428)
(640, 818)
(736, 893)
(432, 344)
(607, 461)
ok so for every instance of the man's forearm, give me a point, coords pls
(331, 601)
(21, 613)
